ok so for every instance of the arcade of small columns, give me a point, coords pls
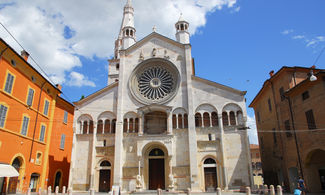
(134, 124)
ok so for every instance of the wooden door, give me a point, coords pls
(104, 180)
(13, 183)
(156, 174)
(210, 177)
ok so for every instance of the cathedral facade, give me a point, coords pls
(156, 124)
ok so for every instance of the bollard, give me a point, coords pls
(69, 191)
(28, 191)
(188, 191)
(248, 190)
(45, 192)
(266, 189)
(49, 190)
(39, 191)
(158, 191)
(279, 190)
(272, 192)
(218, 191)
(63, 190)
(92, 191)
(56, 190)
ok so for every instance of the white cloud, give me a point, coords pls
(252, 132)
(78, 80)
(298, 37)
(288, 31)
(39, 26)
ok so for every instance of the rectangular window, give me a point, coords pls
(269, 103)
(258, 116)
(30, 97)
(281, 91)
(287, 128)
(274, 136)
(65, 117)
(38, 158)
(24, 127)
(3, 114)
(62, 141)
(46, 107)
(9, 83)
(305, 95)
(42, 134)
(310, 119)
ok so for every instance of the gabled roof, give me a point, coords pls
(154, 35)
(218, 85)
(95, 94)
(275, 76)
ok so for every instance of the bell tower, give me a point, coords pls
(182, 34)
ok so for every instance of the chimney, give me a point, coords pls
(59, 87)
(25, 55)
(271, 73)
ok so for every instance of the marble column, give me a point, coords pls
(141, 123)
(170, 122)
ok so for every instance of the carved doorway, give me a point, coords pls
(104, 177)
(156, 169)
(210, 175)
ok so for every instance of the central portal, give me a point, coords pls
(156, 169)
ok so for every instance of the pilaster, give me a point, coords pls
(223, 155)
(192, 142)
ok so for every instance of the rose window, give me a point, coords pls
(154, 81)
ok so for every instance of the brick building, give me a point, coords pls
(256, 164)
(35, 125)
(290, 110)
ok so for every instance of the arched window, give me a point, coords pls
(85, 126)
(232, 118)
(125, 125)
(91, 127)
(113, 125)
(198, 120)
(131, 125)
(180, 121)
(107, 126)
(214, 117)
(105, 163)
(185, 121)
(136, 125)
(206, 119)
(131, 32)
(99, 126)
(225, 119)
(127, 32)
(182, 26)
(209, 161)
(156, 152)
(174, 121)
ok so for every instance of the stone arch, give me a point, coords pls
(210, 174)
(106, 115)
(314, 171)
(84, 121)
(13, 181)
(104, 174)
(205, 107)
(180, 118)
(234, 113)
(57, 178)
(130, 122)
(148, 161)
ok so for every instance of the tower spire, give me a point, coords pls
(126, 35)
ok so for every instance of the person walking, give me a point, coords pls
(302, 185)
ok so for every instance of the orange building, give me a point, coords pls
(289, 111)
(32, 119)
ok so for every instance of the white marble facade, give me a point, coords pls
(157, 125)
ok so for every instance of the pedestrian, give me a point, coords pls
(297, 192)
(302, 185)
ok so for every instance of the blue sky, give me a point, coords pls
(234, 42)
